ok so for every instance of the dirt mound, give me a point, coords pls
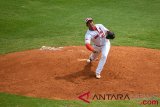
(64, 74)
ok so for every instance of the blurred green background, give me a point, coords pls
(29, 24)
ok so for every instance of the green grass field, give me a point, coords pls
(7, 100)
(30, 24)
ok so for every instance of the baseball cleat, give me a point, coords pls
(89, 60)
(98, 76)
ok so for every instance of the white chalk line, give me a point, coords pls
(82, 59)
(50, 48)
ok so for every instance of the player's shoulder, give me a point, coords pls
(87, 32)
(98, 24)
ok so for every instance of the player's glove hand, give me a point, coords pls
(110, 35)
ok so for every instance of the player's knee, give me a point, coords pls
(104, 56)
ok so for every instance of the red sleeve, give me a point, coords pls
(89, 47)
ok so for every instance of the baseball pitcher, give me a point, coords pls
(99, 36)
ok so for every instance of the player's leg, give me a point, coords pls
(105, 51)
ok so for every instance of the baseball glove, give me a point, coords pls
(110, 35)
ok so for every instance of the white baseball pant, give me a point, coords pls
(105, 50)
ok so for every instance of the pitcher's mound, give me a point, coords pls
(64, 73)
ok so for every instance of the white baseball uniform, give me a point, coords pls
(100, 43)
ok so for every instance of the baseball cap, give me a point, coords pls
(88, 19)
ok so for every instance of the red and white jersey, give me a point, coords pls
(98, 36)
